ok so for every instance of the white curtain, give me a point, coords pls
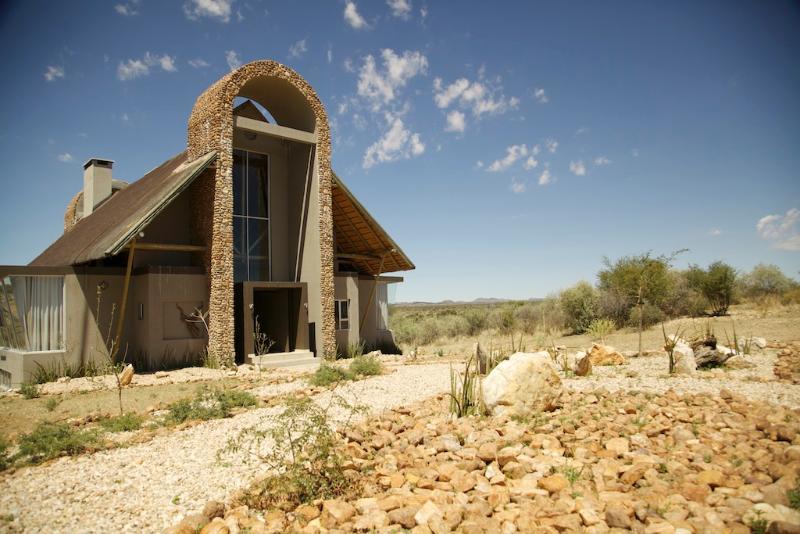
(40, 304)
(382, 296)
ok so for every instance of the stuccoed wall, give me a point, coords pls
(211, 128)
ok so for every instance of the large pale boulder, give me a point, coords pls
(685, 363)
(523, 384)
(605, 355)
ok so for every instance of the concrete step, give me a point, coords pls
(299, 359)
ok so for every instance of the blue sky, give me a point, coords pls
(507, 147)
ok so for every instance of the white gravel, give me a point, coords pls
(150, 486)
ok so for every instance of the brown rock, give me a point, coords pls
(126, 376)
(712, 477)
(604, 355)
(217, 526)
(391, 502)
(617, 516)
(340, 511)
(695, 492)
(783, 527)
(307, 512)
(618, 446)
(403, 517)
(584, 366)
(554, 483)
(213, 509)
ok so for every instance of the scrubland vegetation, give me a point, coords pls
(632, 292)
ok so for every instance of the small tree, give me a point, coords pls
(716, 284)
(766, 281)
(579, 304)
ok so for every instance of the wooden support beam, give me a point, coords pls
(165, 247)
(363, 257)
(125, 287)
(372, 292)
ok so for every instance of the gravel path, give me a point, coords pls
(149, 487)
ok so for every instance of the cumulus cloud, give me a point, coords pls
(551, 145)
(477, 96)
(53, 73)
(517, 187)
(66, 157)
(530, 163)
(577, 168)
(400, 8)
(213, 9)
(397, 143)
(329, 55)
(199, 63)
(545, 178)
(352, 16)
(601, 160)
(456, 122)
(714, 232)
(380, 85)
(513, 153)
(232, 58)
(127, 9)
(783, 231)
(136, 68)
(540, 95)
(298, 49)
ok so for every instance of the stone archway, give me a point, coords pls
(211, 128)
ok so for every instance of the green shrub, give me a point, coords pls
(209, 404)
(716, 284)
(50, 440)
(29, 390)
(52, 403)
(476, 320)
(5, 461)
(579, 304)
(793, 495)
(123, 423)
(366, 366)
(465, 391)
(328, 374)
(353, 350)
(613, 306)
(303, 454)
(765, 281)
(651, 315)
(599, 329)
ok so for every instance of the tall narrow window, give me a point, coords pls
(251, 229)
(382, 307)
(342, 314)
(34, 309)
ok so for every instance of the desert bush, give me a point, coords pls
(29, 390)
(651, 315)
(465, 390)
(613, 306)
(50, 440)
(52, 403)
(126, 422)
(366, 366)
(5, 461)
(302, 449)
(765, 281)
(353, 350)
(528, 317)
(599, 329)
(716, 284)
(209, 404)
(579, 304)
(327, 374)
(641, 278)
(476, 321)
(682, 299)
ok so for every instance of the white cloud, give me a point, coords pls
(213, 9)
(513, 153)
(380, 86)
(577, 168)
(127, 9)
(714, 232)
(232, 58)
(545, 178)
(517, 186)
(635, 152)
(423, 12)
(199, 63)
(530, 163)
(397, 143)
(551, 145)
(352, 17)
(135, 68)
(540, 95)
(53, 72)
(66, 157)
(581, 130)
(298, 49)
(782, 230)
(601, 160)
(456, 122)
(330, 55)
(477, 96)
(342, 108)
(400, 8)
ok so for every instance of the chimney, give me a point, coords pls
(96, 183)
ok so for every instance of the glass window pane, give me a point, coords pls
(239, 249)
(239, 192)
(258, 199)
(258, 248)
(336, 312)
(345, 310)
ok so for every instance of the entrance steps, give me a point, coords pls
(296, 360)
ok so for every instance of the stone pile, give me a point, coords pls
(602, 462)
(787, 365)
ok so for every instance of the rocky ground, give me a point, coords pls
(676, 431)
(602, 462)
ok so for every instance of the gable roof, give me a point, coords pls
(359, 236)
(109, 228)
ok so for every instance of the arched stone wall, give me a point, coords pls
(211, 128)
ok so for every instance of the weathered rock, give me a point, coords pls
(428, 513)
(685, 363)
(554, 483)
(340, 511)
(217, 526)
(584, 366)
(523, 384)
(404, 517)
(618, 446)
(712, 478)
(617, 516)
(126, 376)
(213, 509)
(605, 355)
